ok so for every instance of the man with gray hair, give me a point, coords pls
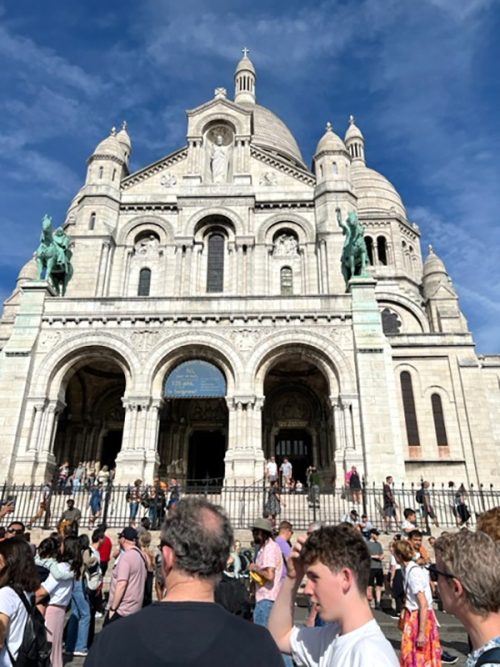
(186, 627)
(467, 572)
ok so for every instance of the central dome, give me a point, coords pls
(270, 132)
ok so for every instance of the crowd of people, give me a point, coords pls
(209, 589)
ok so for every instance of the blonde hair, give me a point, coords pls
(145, 538)
(404, 550)
(489, 523)
(473, 559)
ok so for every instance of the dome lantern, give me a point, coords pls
(244, 80)
(355, 141)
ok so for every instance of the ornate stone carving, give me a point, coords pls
(50, 339)
(268, 178)
(286, 245)
(147, 246)
(245, 339)
(220, 93)
(144, 340)
(168, 180)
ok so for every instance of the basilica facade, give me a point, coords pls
(208, 326)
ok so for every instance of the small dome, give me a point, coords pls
(110, 146)
(245, 64)
(433, 264)
(330, 141)
(353, 131)
(374, 191)
(28, 272)
(270, 132)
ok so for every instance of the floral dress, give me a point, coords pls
(417, 581)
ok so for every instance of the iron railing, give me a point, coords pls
(244, 503)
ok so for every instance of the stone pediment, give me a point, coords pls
(216, 110)
(161, 176)
(443, 291)
(270, 170)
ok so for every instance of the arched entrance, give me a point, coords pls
(193, 423)
(90, 427)
(297, 421)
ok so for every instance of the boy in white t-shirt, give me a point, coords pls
(336, 563)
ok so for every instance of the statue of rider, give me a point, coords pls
(354, 258)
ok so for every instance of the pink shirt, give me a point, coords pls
(131, 568)
(269, 556)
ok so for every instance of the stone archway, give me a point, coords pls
(193, 431)
(90, 427)
(297, 418)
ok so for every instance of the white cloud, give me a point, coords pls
(45, 62)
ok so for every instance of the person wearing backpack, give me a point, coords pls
(79, 621)
(18, 580)
(70, 558)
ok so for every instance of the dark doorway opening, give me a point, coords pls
(295, 444)
(206, 458)
(111, 446)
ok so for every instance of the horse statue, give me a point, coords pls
(354, 254)
(53, 256)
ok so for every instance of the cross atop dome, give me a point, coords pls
(245, 52)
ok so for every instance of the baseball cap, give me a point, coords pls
(129, 533)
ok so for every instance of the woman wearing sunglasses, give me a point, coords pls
(420, 643)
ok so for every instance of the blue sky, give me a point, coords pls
(421, 79)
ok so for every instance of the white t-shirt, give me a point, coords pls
(324, 647)
(272, 469)
(416, 581)
(286, 469)
(59, 589)
(407, 527)
(12, 606)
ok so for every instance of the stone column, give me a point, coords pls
(244, 457)
(17, 373)
(138, 457)
(187, 271)
(126, 274)
(381, 444)
(323, 261)
(103, 268)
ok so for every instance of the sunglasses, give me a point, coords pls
(434, 573)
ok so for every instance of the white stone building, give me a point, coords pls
(208, 326)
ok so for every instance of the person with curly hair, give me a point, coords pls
(489, 523)
(18, 577)
(467, 572)
(336, 563)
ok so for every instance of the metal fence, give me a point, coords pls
(245, 503)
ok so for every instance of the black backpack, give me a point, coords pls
(490, 657)
(419, 497)
(35, 648)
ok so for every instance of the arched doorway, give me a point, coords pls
(297, 419)
(193, 423)
(296, 446)
(90, 427)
